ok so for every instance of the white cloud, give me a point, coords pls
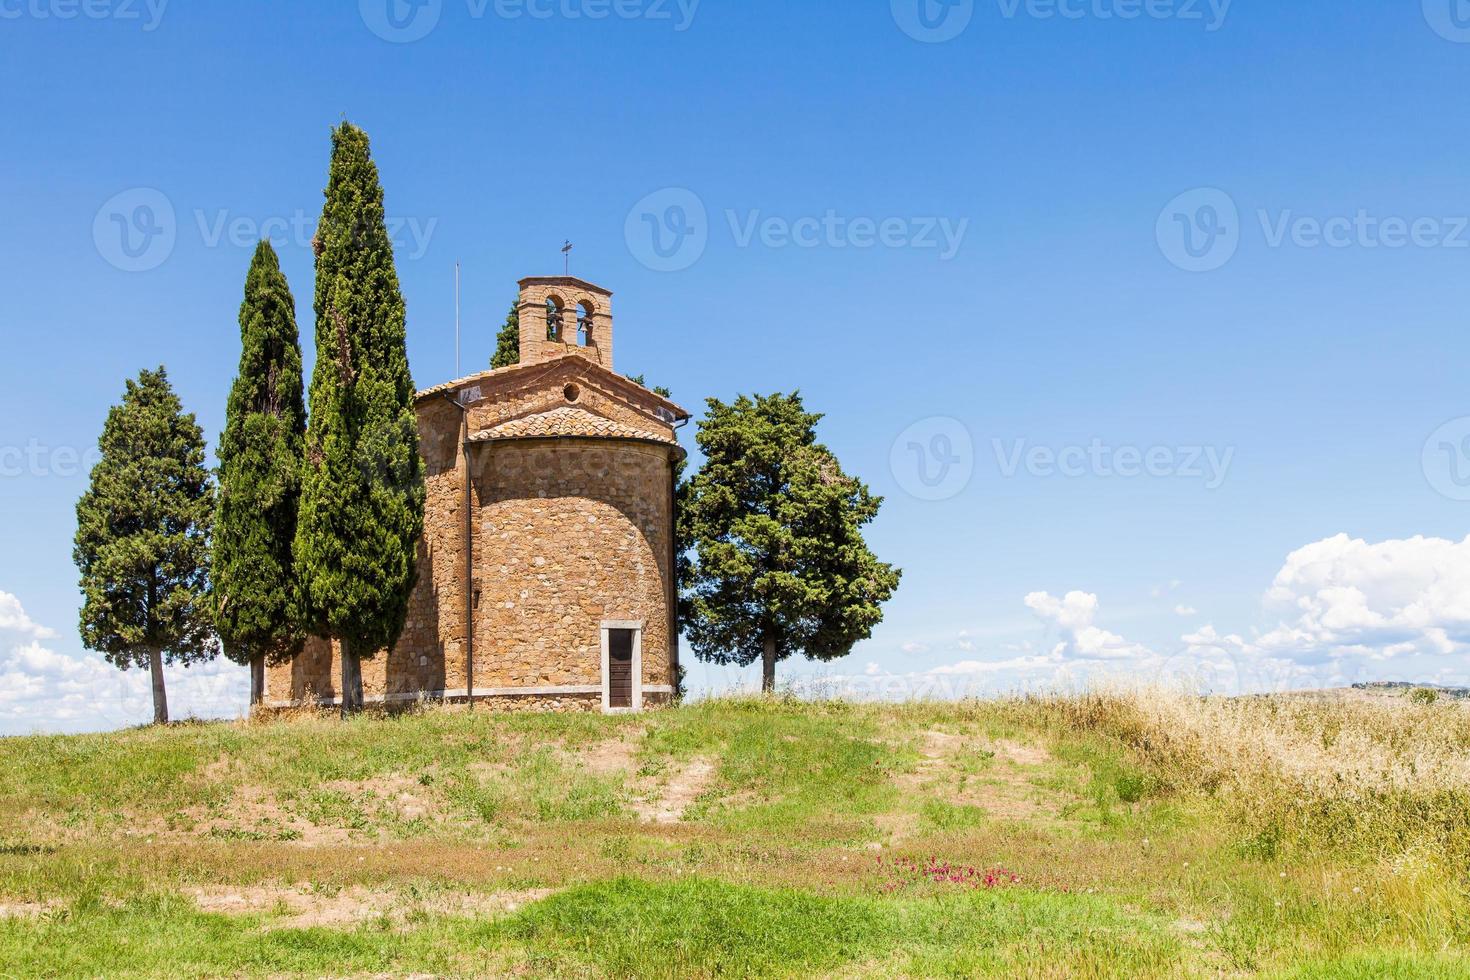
(1385, 600)
(1229, 664)
(14, 619)
(1349, 611)
(1183, 610)
(1072, 616)
(915, 648)
(46, 691)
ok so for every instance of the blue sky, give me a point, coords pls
(1177, 290)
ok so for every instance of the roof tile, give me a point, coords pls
(574, 422)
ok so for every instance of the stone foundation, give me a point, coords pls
(497, 703)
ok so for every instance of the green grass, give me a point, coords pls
(1446, 966)
(791, 767)
(710, 928)
(621, 927)
(454, 843)
(941, 815)
(166, 936)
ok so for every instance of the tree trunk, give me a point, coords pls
(257, 681)
(768, 666)
(351, 682)
(160, 696)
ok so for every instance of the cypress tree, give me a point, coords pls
(260, 459)
(659, 390)
(778, 565)
(362, 495)
(508, 341)
(142, 542)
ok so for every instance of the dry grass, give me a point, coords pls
(1332, 742)
(1382, 776)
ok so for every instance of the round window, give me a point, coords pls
(572, 392)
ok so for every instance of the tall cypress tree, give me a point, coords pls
(508, 341)
(779, 564)
(142, 542)
(260, 457)
(362, 495)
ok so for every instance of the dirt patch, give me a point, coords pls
(658, 798)
(1023, 755)
(613, 757)
(405, 798)
(1005, 800)
(331, 813)
(217, 771)
(934, 751)
(687, 783)
(253, 814)
(25, 910)
(897, 824)
(304, 907)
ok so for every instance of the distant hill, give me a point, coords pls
(1459, 693)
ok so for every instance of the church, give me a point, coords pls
(546, 570)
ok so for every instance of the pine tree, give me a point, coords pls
(508, 341)
(142, 542)
(260, 456)
(779, 564)
(362, 500)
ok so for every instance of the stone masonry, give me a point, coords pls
(568, 517)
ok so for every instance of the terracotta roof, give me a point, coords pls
(569, 359)
(563, 422)
(470, 379)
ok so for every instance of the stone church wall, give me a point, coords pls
(567, 534)
(571, 534)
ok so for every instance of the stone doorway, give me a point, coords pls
(622, 666)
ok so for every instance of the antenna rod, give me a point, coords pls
(456, 319)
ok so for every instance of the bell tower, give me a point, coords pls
(565, 315)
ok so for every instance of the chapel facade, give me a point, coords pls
(546, 568)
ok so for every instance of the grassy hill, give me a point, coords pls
(1105, 835)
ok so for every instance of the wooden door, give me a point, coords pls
(620, 668)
